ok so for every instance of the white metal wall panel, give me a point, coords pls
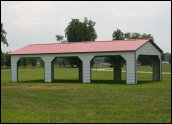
(131, 71)
(14, 68)
(147, 49)
(48, 68)
(86, 67)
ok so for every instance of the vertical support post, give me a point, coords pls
(160, 65)
(48, 68)
(117, 68)
(52, 70)
(86, 68)
(156, 68)
(14, 68)
(131, 65)
(80, 71)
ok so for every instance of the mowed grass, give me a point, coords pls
(68, 100)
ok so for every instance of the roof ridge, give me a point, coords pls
(87, 42)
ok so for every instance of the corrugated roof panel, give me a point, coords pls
(79, 47)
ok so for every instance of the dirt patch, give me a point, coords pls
(45, 87)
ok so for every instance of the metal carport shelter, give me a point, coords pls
(86, 51)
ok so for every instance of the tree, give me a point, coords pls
(118, 35)
(90, 33)
(8, 60)
(136, 35)
(2, 58)
(170, 59)
(33, 61)
(163, 57)
(147, 36)
(166, 57)
(24, 61)
(127, 35)
(78, 31)
(3, 35)
(59, 38)
(144, 60)
(5, 59)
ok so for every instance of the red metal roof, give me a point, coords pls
(81, 47)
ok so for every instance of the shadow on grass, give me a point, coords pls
(75, 81)
(146, 81)
(123, 82)
(32, 81)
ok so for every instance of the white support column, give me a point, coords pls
(131, 68)
(48, 71)
(14, 68)
(86, 68)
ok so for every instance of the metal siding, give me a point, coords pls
(86, 58)
(14, 68)
(48, 70)
(147, 49)
(130, 68)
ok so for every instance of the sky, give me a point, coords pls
(34, 22)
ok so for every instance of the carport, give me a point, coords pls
(129, 50)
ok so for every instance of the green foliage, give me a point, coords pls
(30, 61)
(77, 31)
(3, 36)
(145, 60)
(33, 61)
(136, 35)
(24, 61)
(147, 36)
(59, 38)
(2, 55)
(61, 62)
(5, 59)
(128, 35)
(118, 35)
(170, 59)
(166, 57)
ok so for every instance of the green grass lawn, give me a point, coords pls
(68, 100)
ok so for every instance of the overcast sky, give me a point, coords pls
(38, 22)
